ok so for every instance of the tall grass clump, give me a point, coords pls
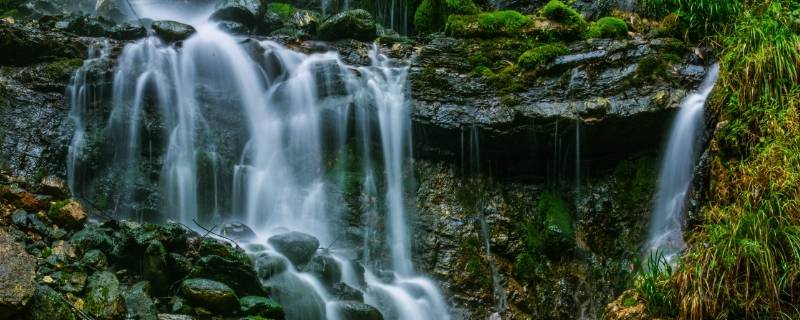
(703, 17)
(653, 284)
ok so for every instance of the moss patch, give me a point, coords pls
(62, 70)
(607, 27)
(283, 10)
(541, 55)
(559, 11)
(488, 24)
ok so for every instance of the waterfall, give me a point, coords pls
(666, 223)
(238, 129)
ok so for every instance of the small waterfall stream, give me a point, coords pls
(666, 223)
(266, 119)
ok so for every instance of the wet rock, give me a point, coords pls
(20, 218)
(155, 268)
(127, 31)
(355, 24)
(238, 231)
(54, 186)
(94, 259)
(17, 273)
(114, 10)
(210, 247)
(244, 12)
(325, 267)
(239, 276)
(353, 310)
(270, 22)
(47, 304)
(167, 316)
(215, 296)
(261, 306)
(234, 28)
(305, 20)
(71, 280)
(172, 31)
(298, 247)
(68, 214)
(268, 265)
(89, 26)
(92, 237)
(342, 291)
(179, 266)
(21, 198)
(104, 296)
(138, 303)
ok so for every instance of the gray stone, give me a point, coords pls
(104, 297)
(17, 276)
(216, 296)
(172, 31)
(298, 247)
(354, 310)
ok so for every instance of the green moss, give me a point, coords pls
(557, 217)
(510, 100)
(462, 7)
(541, 55)
(487, 24)
(526, 266)
(57, 206)
(559, 11)
(283, 10)
(507, 80)
(428, 17)
(62, 69)
(655, 66)
(607, 27)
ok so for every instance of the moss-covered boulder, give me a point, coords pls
(240, 11)
(138, 303)
(68, 214)
(17, 272)
(354, 24)
(262, 307)
(607, 27)
(171, 31)
(104, 298)
(213, 295)
(47, 304)
(92, 237)
(561, 12)
(241, 277)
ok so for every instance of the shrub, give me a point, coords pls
(558, 11)
(541, 55)
(607, 27)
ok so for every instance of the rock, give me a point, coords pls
(305, 20)
(114, 10)
(20, 218)
(342, 291)
(155, 268)
(72, 280)
(325, 267)
(261, 306)
(127, 31)
(355, 24)
(629, 306)
(268, 265)
(104, 297)
(244, 12)
(353, 310)
(68, 214)
(167, 316)
(238, 231)
(17, 276)
(92, 237)
(138, 303)
(94, 259)
(47, 304)
(239, 276)
(172, 31)
(89, 26)
(21, 198)
(270, 22)
(215, 296)
(179, 266)
(54, 186)
(298, 247)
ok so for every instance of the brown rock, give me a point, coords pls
(68, 214)
(17, 276)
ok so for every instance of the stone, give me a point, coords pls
(238, 231)
(355, 24)
(127, 31)
(298, 247)
(325, 267)
(47, 304)
(104, 298)
(233, 28)
(68, 214)
(168, 316)
(92, 237)
(54, 186)
(342, 291)
(353, 310)
(138, 303)
(155, 268)
(261, 306)
(172, 31)
(94, 259)
(239, 276)
(114, 10)
(216, 296)
(268, 265)
(20, 218)
(17, 276)
(240, 11)
(179, 266)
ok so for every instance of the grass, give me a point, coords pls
(542, 54)
(653, 284)
(703, 17)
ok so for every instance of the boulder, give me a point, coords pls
(239, 276)
(233, 28)
(353, 310)
(261, 306)
(88, 26)
(138, 303)
(355, 24)
(241, 11)
(94, 259)
(342, 291)
(238, 231)
(325, 267)
(68, 214)
(155, 268)
(172, 31)
(92, 237)
(47, 304)
(104, 298)
(179, 266)
(54, 186)
(298, 247)
(17, 276)
(127, 31)
(213, 295)
(268, 265)
(114, 10)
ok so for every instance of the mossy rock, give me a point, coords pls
(282, 10)
(540, 55)
(104, 298)
(62, 70)
(47, 304)
(67, 213)
(558, 223)
(488, 24)
(354, 24)
(261, 306)
(561, 12)
(607, 27)
(213, 295)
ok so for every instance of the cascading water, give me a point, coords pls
(267, 119)
(666, 223)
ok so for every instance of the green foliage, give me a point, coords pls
(607, 27)
(653, 284)
(541, 55)
(702, 16)
(57, 206)
(283, 10)
(558, 11)
(526, 267)
(557, 217)
(507, 80)
(487, 24)
(462, 7)
(431, 15)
